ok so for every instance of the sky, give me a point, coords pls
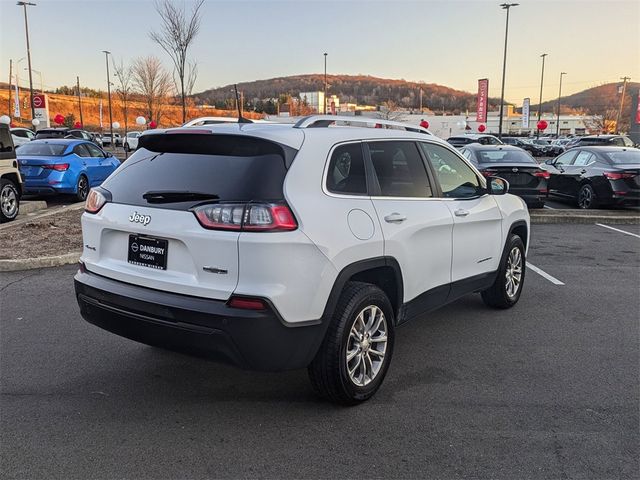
(452, 43)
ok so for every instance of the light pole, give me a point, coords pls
(24, 5)
(559, 95)
(507, 7)
(106, 56)
(324, 107)
(624, 90)
(544, 55)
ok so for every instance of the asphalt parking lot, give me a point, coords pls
(548, 389)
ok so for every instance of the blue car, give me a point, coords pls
(64, 166)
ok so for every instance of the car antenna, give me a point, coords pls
(241, 119)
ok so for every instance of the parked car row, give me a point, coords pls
(49, 166)
(22, 136)
(544, 146)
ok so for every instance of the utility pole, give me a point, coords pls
(624, 90)
(324, 108)
(507, 7)
(10, 84)
(420, 100)
(26, 29)
(544, 55)
(80, 102)
(113, 140)
(559, 95)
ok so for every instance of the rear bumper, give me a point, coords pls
(530, 196)
(256, 340)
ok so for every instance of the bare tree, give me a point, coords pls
(390, 111)
(176, 35)
(124, 89)
(153, 82)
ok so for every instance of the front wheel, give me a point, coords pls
(9, 201)
(126, 148)
(356, 352)
(82, 188)
(505, 291)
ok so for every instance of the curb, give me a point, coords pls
(13, 265)
(30, 206)
(585, 219)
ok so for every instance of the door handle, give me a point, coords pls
(395, 218)
(461, 212)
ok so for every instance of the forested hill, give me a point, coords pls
(360, 89)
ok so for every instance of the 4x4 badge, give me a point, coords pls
(135, 217)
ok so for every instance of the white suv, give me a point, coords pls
(284, 246)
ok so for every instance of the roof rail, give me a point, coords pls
(320, 121)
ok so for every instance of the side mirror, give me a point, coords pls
(108, 154)
(497, 186)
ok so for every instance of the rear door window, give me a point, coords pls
(583, 158)
(346, 174)
(399, 169)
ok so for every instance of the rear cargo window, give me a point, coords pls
(44, 149)
(239, 169)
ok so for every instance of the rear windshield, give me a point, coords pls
(459, 140)
(242, 170)
(51, 134)
(42, 149)
(593, 141)
(504, 156)
(628, 157)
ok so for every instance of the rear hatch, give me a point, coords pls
(148, 234)
(518, 175)
(38, 159)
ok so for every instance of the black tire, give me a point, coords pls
(497, 295)
(82, 188)
(587, 197)
(9, 201)
(328, 370)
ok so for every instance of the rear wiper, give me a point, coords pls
(171, 196)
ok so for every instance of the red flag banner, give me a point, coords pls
(483, 97)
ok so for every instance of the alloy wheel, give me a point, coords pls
(513, 275)
(8, 201)
(585, 198)
(366, 346)
(83, 187)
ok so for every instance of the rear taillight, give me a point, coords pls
(95, 201)
(59, 167)
(247, 303)
(618, 175)
(487, 173)
(542, 174)
(252, 217)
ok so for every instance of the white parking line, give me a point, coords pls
(544, 274)
(550, 208)
(618, 230)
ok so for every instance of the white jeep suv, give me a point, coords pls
(278, 247)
